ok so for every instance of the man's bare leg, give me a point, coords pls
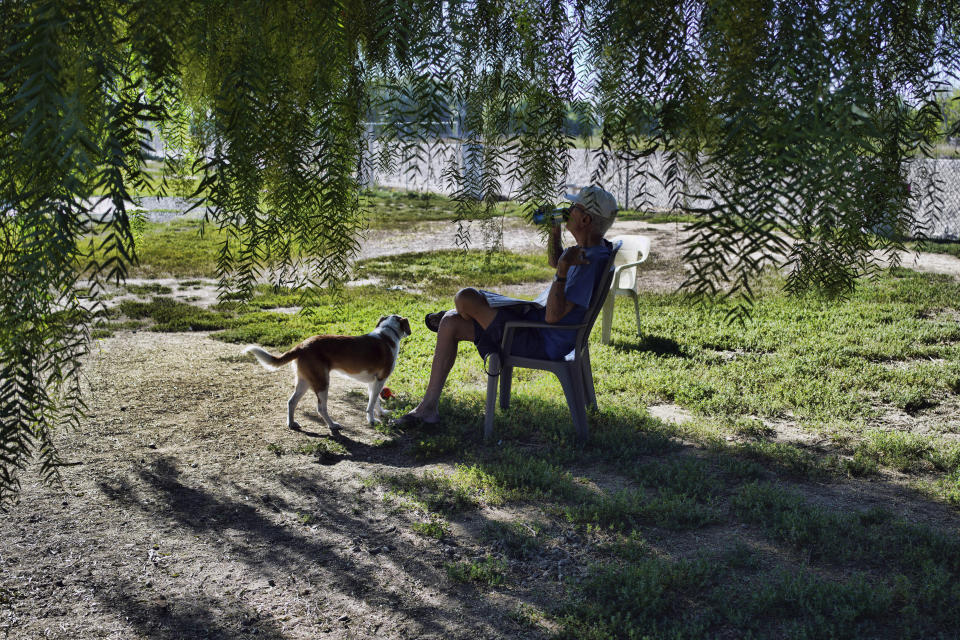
(456, 325)
(471, 305)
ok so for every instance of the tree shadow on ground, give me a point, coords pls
(262, 526)
(313, 434)
(177, 618)
(651, 344)
(792, 513)
(637, 496)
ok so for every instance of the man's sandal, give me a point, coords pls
(410, 420)
(432, 320)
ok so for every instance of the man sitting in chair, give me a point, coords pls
(479, 316)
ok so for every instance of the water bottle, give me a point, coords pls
(550, 215)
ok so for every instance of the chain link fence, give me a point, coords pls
(937, 218)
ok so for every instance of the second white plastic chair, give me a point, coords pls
(633, 251)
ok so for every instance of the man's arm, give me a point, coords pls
(557, 304)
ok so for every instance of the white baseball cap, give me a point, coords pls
(597, 201)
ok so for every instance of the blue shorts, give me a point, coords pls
(527, 342)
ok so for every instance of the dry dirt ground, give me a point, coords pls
(189, 513)
(180, 521)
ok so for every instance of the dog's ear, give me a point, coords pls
(380, 321)
(406, 325)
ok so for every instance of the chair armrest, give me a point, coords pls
(620, 267)
(517, 324)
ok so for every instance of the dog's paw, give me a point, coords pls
(293, 425)
(384, 413)
(334, 426)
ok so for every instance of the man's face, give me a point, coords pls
(579, 218)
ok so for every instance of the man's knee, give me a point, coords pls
(467, 297)
(473, 305)
(448, 321)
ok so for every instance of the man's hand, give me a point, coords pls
(553, 245)
(571, 256)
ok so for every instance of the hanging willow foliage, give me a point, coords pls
(785, 126)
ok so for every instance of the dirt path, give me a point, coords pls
(665, 238)
(190, 514)
(931, 262)
(664, 271)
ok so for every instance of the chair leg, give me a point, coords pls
(636, 310)
(606, 320)
(493, 365)
(587, 373)
(572, 383)
(506, 378)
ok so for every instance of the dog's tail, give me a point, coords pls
(270, 361)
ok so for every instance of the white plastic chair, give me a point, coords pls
(574, 371)
(633, 251)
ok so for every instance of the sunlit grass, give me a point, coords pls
(936, 246)
(174, 249)
(654, 217)
(444, 272)
(391, 208)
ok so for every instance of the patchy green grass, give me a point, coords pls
(148, 289)
(465, 489)
(910, 452)
(715, 527)
(389, 208)
(433, 528)
(936, 246)
(655, 217)
(710, 596)
(431, 447)
(174, 249)
(442, 273)
(168, 314)
(323, 449)
(488, 570)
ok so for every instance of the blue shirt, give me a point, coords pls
(582, 279)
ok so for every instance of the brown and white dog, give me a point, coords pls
(368, 359)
